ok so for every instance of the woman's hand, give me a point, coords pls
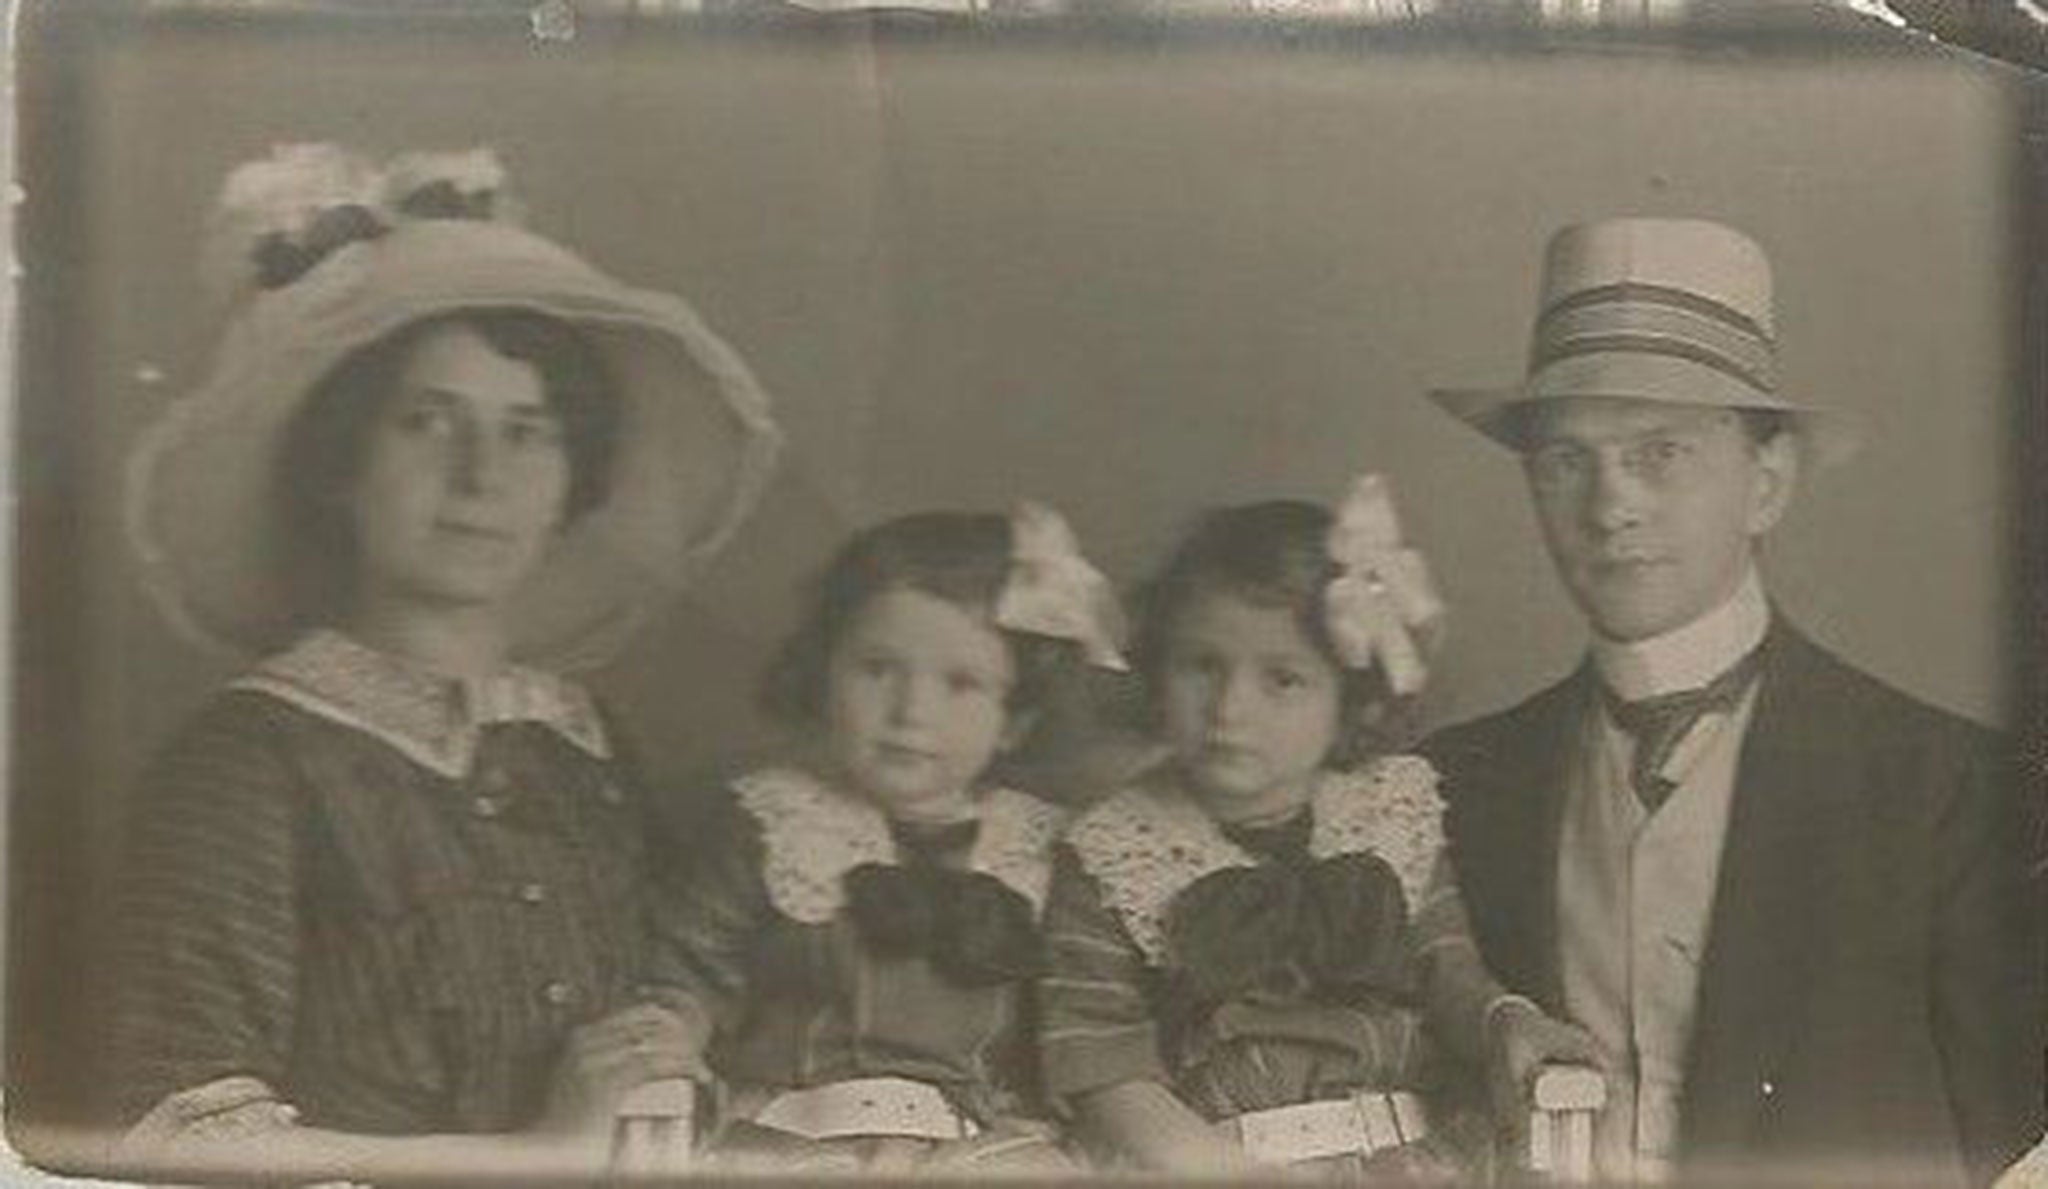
(606, 1059)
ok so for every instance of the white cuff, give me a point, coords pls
(1503, 1000)
(225, 1108)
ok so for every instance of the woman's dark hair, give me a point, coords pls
(961, 557)
(324, 446)
(1270, 554)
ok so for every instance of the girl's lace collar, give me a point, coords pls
(1145, 844)
(814, 834)
(434, 720)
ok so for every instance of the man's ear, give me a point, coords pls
(1777, 477)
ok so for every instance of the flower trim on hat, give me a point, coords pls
(813, 834)
(281, 216)
(465, 185)
(435, 721)
(1147, 843)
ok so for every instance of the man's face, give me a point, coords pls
(1651, 511)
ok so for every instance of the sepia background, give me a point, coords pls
(1135, 276)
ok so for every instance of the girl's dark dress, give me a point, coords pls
(826, 943)
(387, 896)
(1244, 969)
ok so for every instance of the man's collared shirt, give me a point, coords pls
(1636, 888)
(1691, 656)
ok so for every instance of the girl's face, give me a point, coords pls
(1250, 706)
(916, 702)
(464, 477)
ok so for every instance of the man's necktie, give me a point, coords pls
(1658, 724)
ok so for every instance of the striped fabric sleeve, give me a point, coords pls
(210, 931)
(704, 922)
(1400, 1039)
(1460, 991)
(1096, 1027)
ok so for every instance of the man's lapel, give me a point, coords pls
(1536, 780)
(1758, 939)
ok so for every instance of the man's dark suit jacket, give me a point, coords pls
(1871, 986)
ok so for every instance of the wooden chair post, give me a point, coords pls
(1566, 1100)
(656, 1132)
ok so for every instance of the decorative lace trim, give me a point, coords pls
(1015, 842)
(1142, 846)
(811, 837)
(813, 834)
(434, 720)
(1391, 808)
(1146, 844)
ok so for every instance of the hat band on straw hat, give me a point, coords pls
(1656, 320)
(1656, 377)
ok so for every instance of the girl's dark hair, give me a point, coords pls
(323, 450)
(1270, 554)
(961, 557)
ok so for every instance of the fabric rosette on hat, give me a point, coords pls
(319, 254)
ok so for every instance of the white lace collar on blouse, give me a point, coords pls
(433, 720)
(1145, 844)
(814, 834)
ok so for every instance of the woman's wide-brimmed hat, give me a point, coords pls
(1670, 311)
(322, 254)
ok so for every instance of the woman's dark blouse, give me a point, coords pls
(391, 948)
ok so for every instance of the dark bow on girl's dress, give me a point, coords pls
(1332, 927)
(971, 927)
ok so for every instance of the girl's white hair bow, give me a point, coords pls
(1053, 591)
(1382, 598)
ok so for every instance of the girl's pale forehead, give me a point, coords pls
(1223, 616)
(908, 612)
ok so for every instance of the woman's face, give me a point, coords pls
(464, 477)
(1250, 705)
(917, 701)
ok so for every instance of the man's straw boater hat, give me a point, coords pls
(1670, 311)
(319, 253)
